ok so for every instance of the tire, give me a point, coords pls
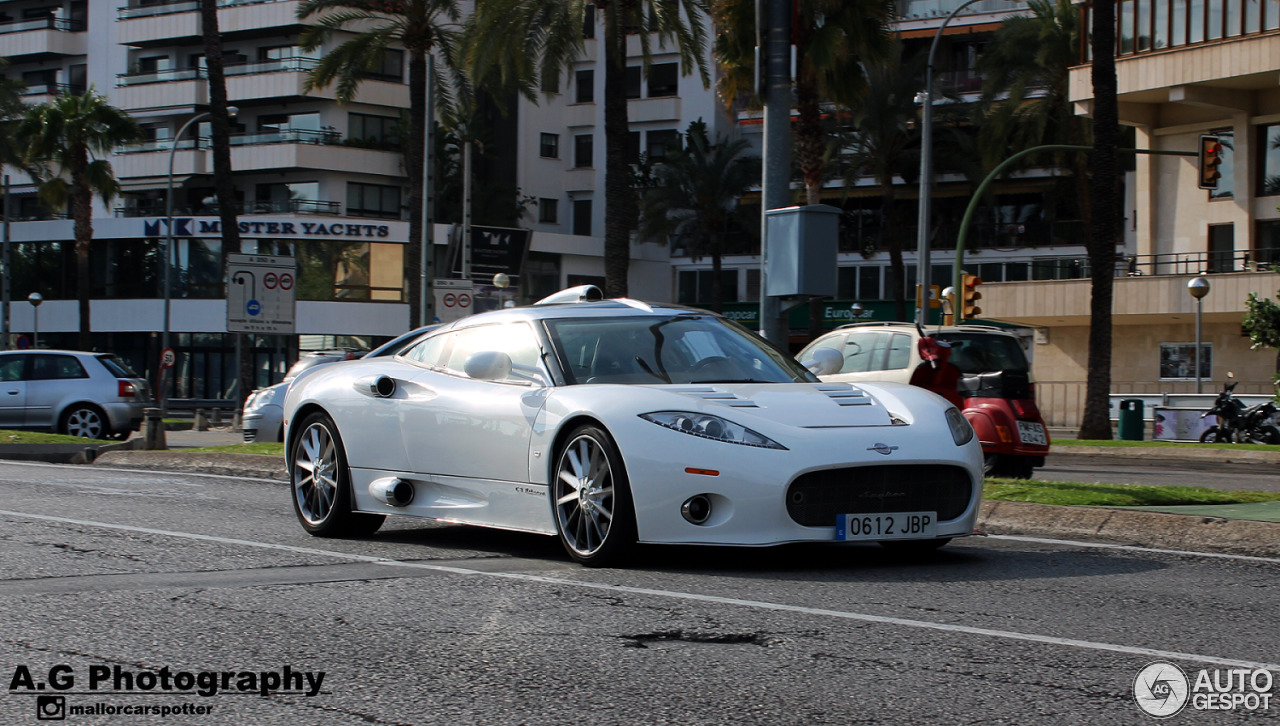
(992, 465)
(591, 499)
(85, 421)
(1018, 467)
(1265, 435)
(914, 546)
(321, 483)
(1215, 435)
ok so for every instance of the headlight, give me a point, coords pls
(711, 427)
(961, 431)
(259, 398)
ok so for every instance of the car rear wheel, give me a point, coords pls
(595, 518)
(322, 483)
(86, 421)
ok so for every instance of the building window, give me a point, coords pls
(634, 77)
(662, 143)
(694, 287)
(664, 79)
(549, 146)
(373, 131)
(548, 211)
(584, 82)
(1266, 242)
(589, 22)
(1269, 166)
(583, 148)
(1178, 361)
(287, 198)
(373, 200)
(1226, 184)
(390, 69)
(582, 216)
(1222, 248)
(633, 147)
(349, 270)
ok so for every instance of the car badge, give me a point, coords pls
(884, 449)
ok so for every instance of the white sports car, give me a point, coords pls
(612, 422)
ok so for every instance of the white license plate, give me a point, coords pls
(1031, 433)
(892, 525)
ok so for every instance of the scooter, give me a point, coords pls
(1240, 424)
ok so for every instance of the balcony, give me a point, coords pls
(161, 23)
(44, 37)
(286, 149)
(158, 208)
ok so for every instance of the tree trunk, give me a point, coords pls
(620, 209)
(1104, 228)
(81, 210)
(220, 124)
(889, 238)
(415, 149)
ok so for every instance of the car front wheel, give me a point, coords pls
(322, 483)
(595, 518)
(85, 421)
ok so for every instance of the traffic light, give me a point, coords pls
(1210, 160)
(969, 297)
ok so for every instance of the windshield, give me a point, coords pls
(679, 349)
(984, 353)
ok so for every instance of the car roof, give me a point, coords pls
(928, 329)
(612, 308)
(61, 351)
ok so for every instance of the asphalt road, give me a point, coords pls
(426, 623)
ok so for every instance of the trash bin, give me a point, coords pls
(1131, 425)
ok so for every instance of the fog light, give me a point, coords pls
(696, 509)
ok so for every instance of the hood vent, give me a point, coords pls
(846, 395)
(708, 393)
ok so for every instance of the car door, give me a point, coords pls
(470, 437)
(54, 380)
(13, 391)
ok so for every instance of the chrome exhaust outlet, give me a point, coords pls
(696, 509)
(383, 387)
(392, 490)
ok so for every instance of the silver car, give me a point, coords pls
(94, 395)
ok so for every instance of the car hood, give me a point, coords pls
(804, 405)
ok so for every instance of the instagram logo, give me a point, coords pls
(51, 708)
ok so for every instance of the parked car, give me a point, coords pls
(612, 422)
(994, 381)
(261, 418)
(95, 395)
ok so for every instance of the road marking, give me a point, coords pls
(1149, 653)
(1135, 548)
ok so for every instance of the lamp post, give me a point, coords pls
(926, 169)
(1198, 287)
(35, 299)
(168, 213)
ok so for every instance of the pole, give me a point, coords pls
(923, 272)
(775, 36)
(426, 302)
(466, 210)
(35, 335)
(4, 286)
(1199, 301)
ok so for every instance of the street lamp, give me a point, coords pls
(35, 299)
(1198, 287)
(168, 213)
(925, 98)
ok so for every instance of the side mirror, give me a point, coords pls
(488, 365)
(824, 362)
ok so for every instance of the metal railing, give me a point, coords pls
(281, 65)
(156, 208)
(138, 10)
(49, 22)
(285, 136)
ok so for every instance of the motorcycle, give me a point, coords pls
(1240, 424)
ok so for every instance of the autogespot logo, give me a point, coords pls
(1161, 689)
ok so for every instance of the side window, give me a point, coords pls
(11, 368)
(427, 351)
(516, 340)
(52, 367)
(860, 352)
(899, 352)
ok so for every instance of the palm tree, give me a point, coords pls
(884, 144)
(67, 140)
(533, 42)
(695, 194)
(220, 127)
(1104, 227)
(1025, 93)
(377, 26)
(835, 40)
(12, 109)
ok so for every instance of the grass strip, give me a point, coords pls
(1114, 495)
(269, 448)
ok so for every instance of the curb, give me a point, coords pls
(256, 466)
(1215, 456)
(1187, 532)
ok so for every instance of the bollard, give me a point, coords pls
(215, 419)
(153, 430)
(236, 421)
(202, 421)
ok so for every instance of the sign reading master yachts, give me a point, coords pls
(261, 294)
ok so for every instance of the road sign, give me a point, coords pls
(261, 294)
(168, 358)
(453, 299)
